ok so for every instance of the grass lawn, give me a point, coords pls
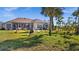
(38, 41)
(10, 34)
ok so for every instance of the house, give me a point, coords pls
(25, 23)
(1, 25)
(40, 24)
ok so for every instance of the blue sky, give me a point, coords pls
(9, 13)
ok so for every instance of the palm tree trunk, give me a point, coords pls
(31, 29)
(50, 26)
(75, 28)
(78, 27)
(16, 28)
(52, 23)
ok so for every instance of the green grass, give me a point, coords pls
(38, 41)
(10, 34)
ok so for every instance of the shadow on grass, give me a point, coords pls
(21, 32)
(73, 47)
(9, 45)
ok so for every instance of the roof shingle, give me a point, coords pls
(21, 20)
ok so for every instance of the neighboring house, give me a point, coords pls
(25, 23)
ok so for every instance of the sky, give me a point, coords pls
(10, 13)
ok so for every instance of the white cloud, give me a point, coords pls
(28, 8)
(66, 11)
(9, 9)
(8, 12)
(8, 15)
(69, 10)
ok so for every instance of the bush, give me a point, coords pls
(2, 29)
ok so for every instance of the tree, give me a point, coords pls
(31, 28)
(51, 12)
(76, 14)
(69, 24)
(59, 22)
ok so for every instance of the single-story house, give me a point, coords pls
(1, 25)
(25, 23)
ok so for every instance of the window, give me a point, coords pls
(8, 26)
(39, 27)
(45, 26)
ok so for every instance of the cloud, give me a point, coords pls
(8, 15)
(28, 8)
(9, 9)
(8, 12)
(69, 10)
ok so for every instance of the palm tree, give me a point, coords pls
(69, 23)
(51, 12)
(76, 14)
(60, 21)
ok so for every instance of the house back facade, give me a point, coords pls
(25, 23)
